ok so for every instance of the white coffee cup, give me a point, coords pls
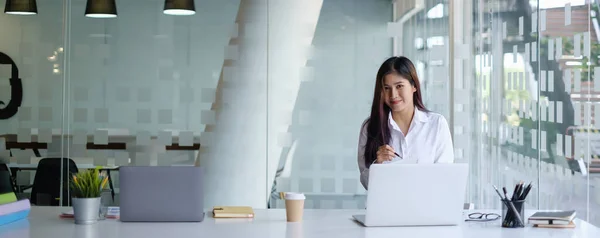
(294, 206)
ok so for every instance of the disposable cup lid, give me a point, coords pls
(294, 196)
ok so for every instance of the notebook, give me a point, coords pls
(14, 211)
(9, 208)
(552, 218)
(6, 198)
(567, 225)
(232, 212)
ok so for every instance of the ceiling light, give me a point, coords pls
(179, 7)
(101, 9)
(20, 7)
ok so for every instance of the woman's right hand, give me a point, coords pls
(385, 153)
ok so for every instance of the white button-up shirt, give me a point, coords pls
(428, 141)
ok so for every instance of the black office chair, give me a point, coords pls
(47, 181)
(6, 185)
(6, 182)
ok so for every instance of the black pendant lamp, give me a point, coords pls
(20, 7)
(179, 7)
(101, 9)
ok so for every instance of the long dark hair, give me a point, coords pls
(377, 124)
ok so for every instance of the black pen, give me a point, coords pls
(526, 192)
(516, 192)
(507, 219)
(501, 199)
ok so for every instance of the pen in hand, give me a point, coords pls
(397, 155)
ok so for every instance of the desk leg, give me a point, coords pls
(110, 184)
(37, 152)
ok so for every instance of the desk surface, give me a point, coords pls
(44, 222)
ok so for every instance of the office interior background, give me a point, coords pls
(269, 95)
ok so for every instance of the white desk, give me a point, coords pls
(44, 222)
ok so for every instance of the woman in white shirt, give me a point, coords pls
(412, 134)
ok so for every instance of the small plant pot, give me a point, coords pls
(86, 210)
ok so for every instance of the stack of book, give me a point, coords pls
(554, 219)
(12, 210)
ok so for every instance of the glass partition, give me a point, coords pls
(144, 88)
(521, 89)
(32, 80)
(150, 89)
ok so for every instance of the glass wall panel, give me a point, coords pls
(32, 76)
(150, 89)
(144, 89)
(522, 91)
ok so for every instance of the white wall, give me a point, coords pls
(350, 43)
(292, 28)
(234, 154)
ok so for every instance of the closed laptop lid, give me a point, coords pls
(161, 193)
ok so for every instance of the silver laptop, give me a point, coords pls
(161, 194)
(415, 195)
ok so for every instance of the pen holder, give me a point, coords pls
(508, 215)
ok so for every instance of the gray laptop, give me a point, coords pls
(161, 194)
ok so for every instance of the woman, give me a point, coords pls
(400, 128)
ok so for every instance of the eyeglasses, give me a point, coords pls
(478, 216)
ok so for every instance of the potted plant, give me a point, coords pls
(86, 187)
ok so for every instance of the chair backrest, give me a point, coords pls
(6, 184)
(47, 181)
(4, 167)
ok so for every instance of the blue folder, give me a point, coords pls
(12, 217)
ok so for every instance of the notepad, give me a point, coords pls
(12, 217)
(568, 225)
(557, 219)
(558, 215)
(6, 209)
(14, 211)
(6, 198)
(232, 212)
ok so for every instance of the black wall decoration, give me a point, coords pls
(16, 90)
